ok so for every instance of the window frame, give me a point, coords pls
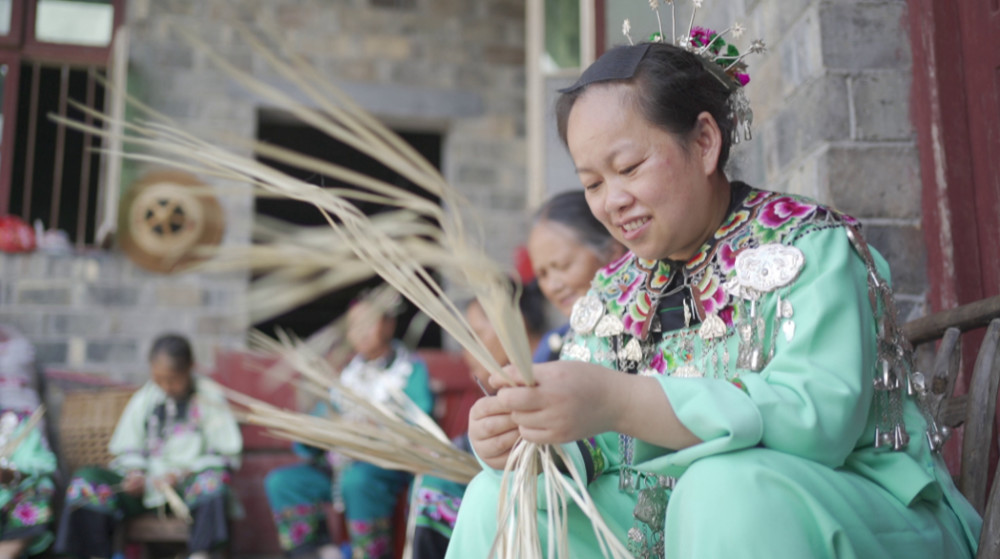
(9, 108)
(44, 51)
(13, 37)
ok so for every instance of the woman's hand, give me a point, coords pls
(134, 483)
(492, 432)
(168, 479)
(571, 401)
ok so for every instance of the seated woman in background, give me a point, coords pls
(567, 246)
(176, 433)
(366, 493)
(437, 500)
(26, 486)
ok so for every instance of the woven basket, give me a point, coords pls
(86, 422)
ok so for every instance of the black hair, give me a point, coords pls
(177, 348)
(671, 87)
(571, 209)
(531, 304)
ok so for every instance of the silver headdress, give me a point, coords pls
(722, 59)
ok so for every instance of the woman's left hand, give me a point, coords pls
(571, 400)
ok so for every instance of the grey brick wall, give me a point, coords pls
(98, 313)
(449, 66)
(832, 119)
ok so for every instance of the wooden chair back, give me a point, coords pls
(86, 422)
(975, 410)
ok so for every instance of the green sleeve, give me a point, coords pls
(813, 397)
(418, 387)
(33, 457)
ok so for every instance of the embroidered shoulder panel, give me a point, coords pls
(629, 286)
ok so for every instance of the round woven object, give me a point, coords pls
(164, 217)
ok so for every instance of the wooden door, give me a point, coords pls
(980, 25)
(955, 100)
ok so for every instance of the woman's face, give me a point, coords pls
(563, 265)
(368, 331)
(644, 186)
(175, 384)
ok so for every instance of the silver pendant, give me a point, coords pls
(687, 371)
(587, 311)
(651, 507)
(609, 325)
(632, 351)
(789, 329)
(785, 309)
(712, 328)
(576, 352)
(768, 267)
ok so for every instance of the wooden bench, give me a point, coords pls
(974, 411)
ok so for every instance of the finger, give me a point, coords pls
(487, 406)
(539, 436)
(511, 377)
(492, 426)
(521, 399)
(497, 446)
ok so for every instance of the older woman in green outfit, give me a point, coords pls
(26, 486)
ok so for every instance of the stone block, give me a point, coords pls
(50, 294)
(865, 36)
(87, 324)
(903, 247)
(881, 102)
(869, 181)
(111, 296)
(178, 295)
(476, 174)
(51, 353)
(387, 47)
(800, 52)
(509, 9)
(27, 323)
(112, 351)
(220, 325)
(803, 178)
(772, 19)
(504, 55)
(815, 114)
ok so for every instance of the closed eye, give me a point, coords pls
(630, 169)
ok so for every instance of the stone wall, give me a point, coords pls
(446, 66)
(832, 118)
(99, 313)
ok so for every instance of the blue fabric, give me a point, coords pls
(543, 352)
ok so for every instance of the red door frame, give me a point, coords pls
(955, 113)
(940, 113)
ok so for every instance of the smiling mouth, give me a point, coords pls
(634, 224)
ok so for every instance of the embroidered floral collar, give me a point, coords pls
(628, 289)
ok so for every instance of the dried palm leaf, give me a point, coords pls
(177, 505)
(28, 425)
(400, 264)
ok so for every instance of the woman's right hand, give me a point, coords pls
(134, 483)
(492, 432)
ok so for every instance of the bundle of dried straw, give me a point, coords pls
(396, 247)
